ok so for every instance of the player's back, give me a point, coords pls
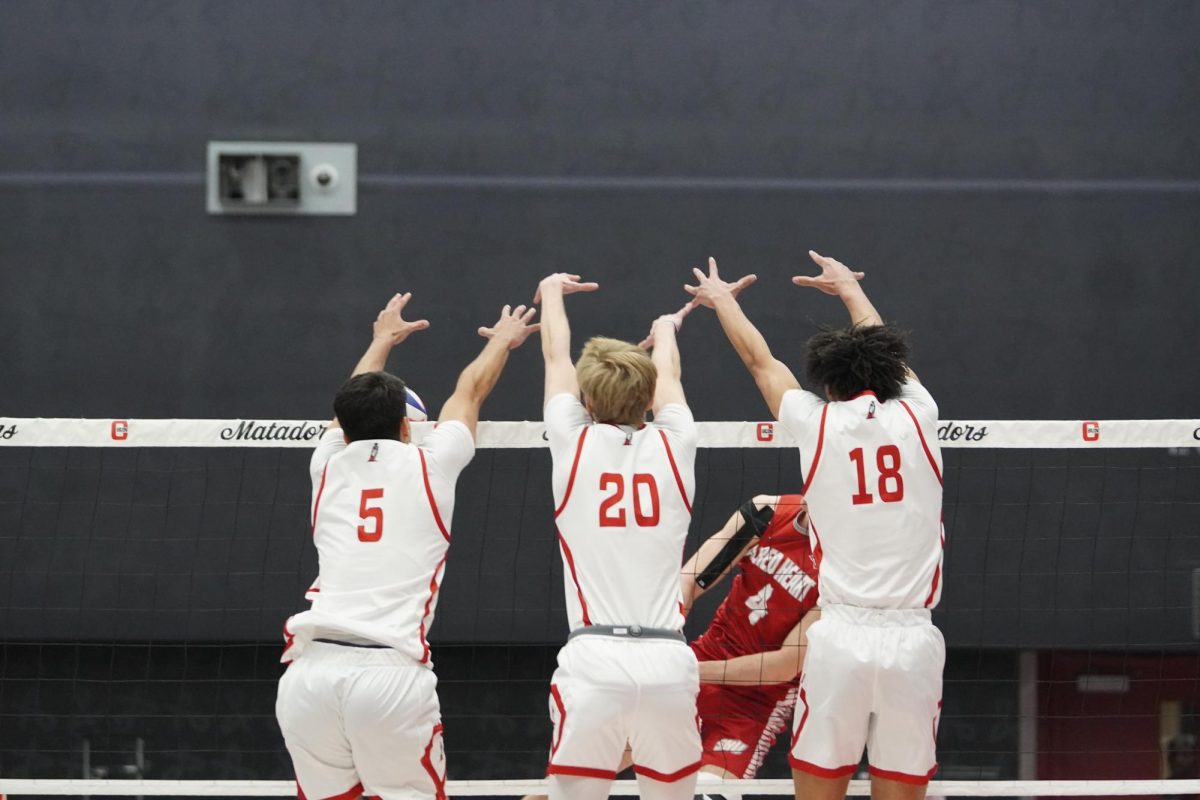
(381, 516)
(775, 585)
(623, 507)
(874, 492)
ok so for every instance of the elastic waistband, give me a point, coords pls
(857, 615)
(335, 652)
(627, 632)
(362, 646)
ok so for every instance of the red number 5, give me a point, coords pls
(367, 513)
(891, 484)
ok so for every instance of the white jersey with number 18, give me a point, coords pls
(873, 482)
(623, 506)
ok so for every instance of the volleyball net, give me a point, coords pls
(147, 566)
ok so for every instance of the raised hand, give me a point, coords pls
(835, 276)
(675, 319)
(711, 287)
(513, 326)
(564, 281)
(391, 326)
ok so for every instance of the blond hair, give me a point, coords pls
(617, 378)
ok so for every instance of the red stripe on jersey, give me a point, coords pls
(937, 575)
(667, 777)
(924, 445)
(562, 719)
(571, 479)
(817, 456)
(902, 777)
(288, 638)
(429, 493)
(433, 587)
(574, 578)
(678, 480)
(817, 553)
(439, 781)
(581, 772)
(317, 501)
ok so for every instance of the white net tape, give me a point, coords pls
(626, 788)
(971, 434)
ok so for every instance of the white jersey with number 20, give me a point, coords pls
(622, 500)
(873, 482)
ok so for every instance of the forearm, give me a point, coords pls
(375, 358)
(861, 311)
(476, 381)
(750, 345)
(555, 330)
(665, 354)
(756, 669)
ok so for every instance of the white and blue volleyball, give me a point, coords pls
(415, 407)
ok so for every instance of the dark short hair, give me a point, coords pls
(371, 405)
(860, 358)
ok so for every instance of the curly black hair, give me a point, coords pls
(847, 361)
(371, 405)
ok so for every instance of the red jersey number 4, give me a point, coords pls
(890, 484)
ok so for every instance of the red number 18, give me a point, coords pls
(891, 484)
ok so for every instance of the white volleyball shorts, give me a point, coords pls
(871, 678)
(362, 721)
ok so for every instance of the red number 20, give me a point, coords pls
(891, 484)
(369, 513)
(644, 487)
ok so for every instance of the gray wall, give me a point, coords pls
(1020, 181)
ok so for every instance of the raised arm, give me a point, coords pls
(556, 331)
(389, 330)
(772, 666)
(476, 381)
(665, 354)
(771, 375)
(716, 557)
(842, 282)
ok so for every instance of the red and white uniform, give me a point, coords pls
(358, 705)
(774, 588)
(873, 670)
(623, 505)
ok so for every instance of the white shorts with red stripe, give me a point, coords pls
(361, 721)
(608, 691)
(871, 678)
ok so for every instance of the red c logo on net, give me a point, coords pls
(120, 430)
(1091, 431)
(765, 432)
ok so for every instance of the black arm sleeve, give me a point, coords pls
(756, 522)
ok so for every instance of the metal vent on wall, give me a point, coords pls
(282, 178)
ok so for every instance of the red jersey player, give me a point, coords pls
(358, 705)
(767, 540)
(873, 483)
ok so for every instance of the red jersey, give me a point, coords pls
(775, 586)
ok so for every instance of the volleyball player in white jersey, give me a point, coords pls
(873, 671)
(622, 493)
(358, 705)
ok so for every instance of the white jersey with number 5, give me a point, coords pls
(381, 514)
(623, 506)
(873, 482)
